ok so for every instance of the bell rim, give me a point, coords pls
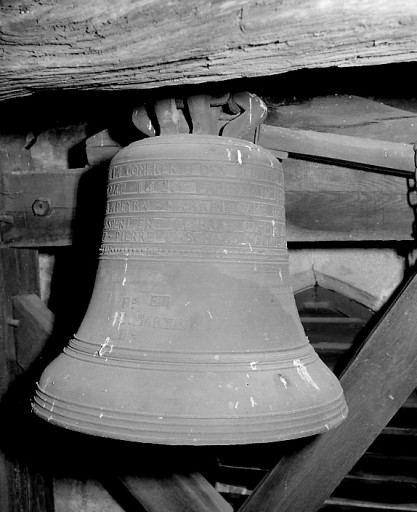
(201, 431)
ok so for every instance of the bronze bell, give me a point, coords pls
(192, 334)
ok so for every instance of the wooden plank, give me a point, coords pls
(18, 274)
(372, 488)
(346, 505)
(188, 492)
(75, 199)
(382, 479)
(323, 202)
(344, 203)
(347, 115)
(145, 44)
(23, 189)
(412, 401)
(331, 203)
(22, 485)
(35, 323)
(378, 381)
(396, 495)
(382, 156)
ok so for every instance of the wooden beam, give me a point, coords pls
(145, 44)
(57, 190)
(376, 384)
(329, 201)
(347, 505)
(348, 115)
(22, 485)
(18, 274)
(73, 200)
(34, 326)
(188, 492)
(394, 158)
(323, 203)
(326, 202)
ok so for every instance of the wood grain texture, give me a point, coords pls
(333, 203)
(189, 492)
(23, 189)
(383, 156)
(323, 202)
(348, 115)
(150, 43)
(376, 384)
(346, 505)
(76, 198)
(18, 274)
(345, 203)
(22, 486)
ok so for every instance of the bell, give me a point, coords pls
(192, 335)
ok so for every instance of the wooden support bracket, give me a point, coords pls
(33, 328)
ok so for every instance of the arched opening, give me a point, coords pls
(333, 323)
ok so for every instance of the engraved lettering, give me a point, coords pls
(216, 206)
(207, 207)
(155, 322)
(145, 299)
(159, 301)
(169, 168)
(122, 334)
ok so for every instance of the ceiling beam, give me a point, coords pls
(105, 45)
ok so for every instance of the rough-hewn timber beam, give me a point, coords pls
(150, 43)
(23, 486)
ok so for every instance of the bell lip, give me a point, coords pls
(63, 402)
(222, 431)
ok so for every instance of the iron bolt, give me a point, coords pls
(41, 207)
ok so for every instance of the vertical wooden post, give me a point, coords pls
(18, 274)
(21, 487)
